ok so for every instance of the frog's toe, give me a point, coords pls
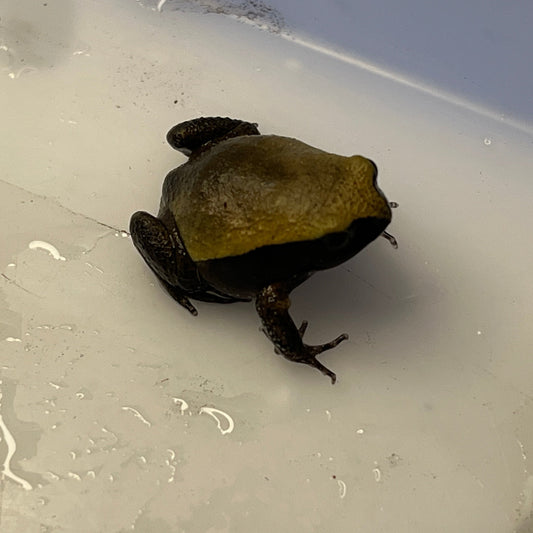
(302, 328)
(310, 352)
(329, 345)
(325, 370)
(392, 240)
(308, 357)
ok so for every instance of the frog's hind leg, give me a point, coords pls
(160, 252)
(190, 136)
(272, 304)
(170, 262)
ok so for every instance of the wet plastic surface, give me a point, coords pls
(120, 411)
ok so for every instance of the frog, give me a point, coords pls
(250, 217)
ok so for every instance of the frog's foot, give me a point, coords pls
(388, 236)
(309, 353)
(193, 135)
(180, 296)
(272, 305)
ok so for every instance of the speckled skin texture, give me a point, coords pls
(262, 190)
(252, 216)
(272, 304)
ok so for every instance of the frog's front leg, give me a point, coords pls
(272, 304)
(194, 134)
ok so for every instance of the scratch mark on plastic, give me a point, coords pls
(138, 415)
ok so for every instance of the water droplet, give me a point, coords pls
(6, 58)
(487, 141)
(7, 437)
(182, 403)
(50, 248)
(211, 411)
(342, 488)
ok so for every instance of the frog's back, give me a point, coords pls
(250, 192)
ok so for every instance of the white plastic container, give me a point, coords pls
(120, 411)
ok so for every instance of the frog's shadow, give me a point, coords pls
(368, 292)
(369, 288)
